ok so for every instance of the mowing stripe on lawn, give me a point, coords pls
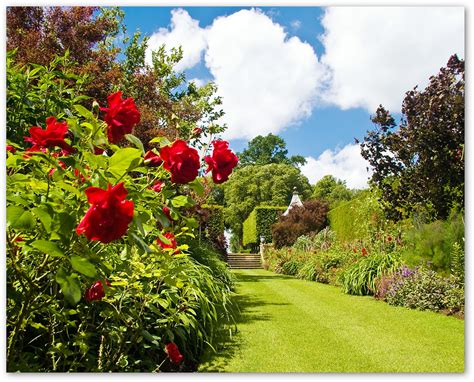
(291, 325)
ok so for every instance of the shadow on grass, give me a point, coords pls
(229, 341)
(259, 278)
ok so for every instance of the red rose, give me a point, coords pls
(96, 291)
(120, 116)
(51, 137)
(158, 186)
(170, 236)
(222, 161)
(11, 149)
(53, 170)
(109, 215)
(364, 252)
(79, 176)
(98, 150)
(181, 161)
(173, 353)
(151, 159)
(167, 212)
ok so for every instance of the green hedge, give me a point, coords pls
(358, 218)
(213, 228)
(259, 223)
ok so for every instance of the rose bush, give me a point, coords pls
(109, 229)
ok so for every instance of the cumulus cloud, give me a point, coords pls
(345, 164)
(296, 24)
(376, 54)
(184, 31)
(267, 80)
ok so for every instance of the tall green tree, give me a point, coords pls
(419, 165)
(332, 190)
(250, 186)
(268, 149)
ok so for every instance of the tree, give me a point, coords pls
(169, 105)
(332, 190)
(269, 149)
(309, 218)
(419, 167)
(250, 186)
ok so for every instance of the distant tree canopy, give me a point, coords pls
(419, 166)
(332, 190)
(251, 186)
(268, 149)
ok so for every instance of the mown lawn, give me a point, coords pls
(291, 325)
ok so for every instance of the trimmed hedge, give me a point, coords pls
(213, 226)
(259, 223)
(357, 219)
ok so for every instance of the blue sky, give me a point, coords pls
(278, 74)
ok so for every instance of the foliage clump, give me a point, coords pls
(311, 217)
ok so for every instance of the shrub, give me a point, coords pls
(212, 227)
(361, 277)
(98, 272)
(433, 242)
(311, 217)
(322, 241)
(424, 289)
(258, 224)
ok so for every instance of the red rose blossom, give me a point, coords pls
(173, 244)
(53, 136)
(222, 161)
(181, 161)
(151, 159)
(167, 212)
(98, 150)
(173, 353)
(53, 170)
(96, 291)
(11, 149)
(120, 116)
(158, 186)
(109, 214)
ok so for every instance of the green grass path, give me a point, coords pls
(291, 325)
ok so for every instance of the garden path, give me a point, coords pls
(292, 325)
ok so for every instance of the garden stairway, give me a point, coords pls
(244, 260)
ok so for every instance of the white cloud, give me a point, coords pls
(296, 24)
(345, 164)
(267, 80)
(199, 82)
(376, 54)
(185, 32)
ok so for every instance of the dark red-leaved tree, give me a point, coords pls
(419, 165)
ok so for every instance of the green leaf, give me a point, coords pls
(84, 112)
(69, 286)
(84, 266)
(161, 140)
(141, 244)
(18, 218)
(124, 160)
(182, 201)
(197, 187)
(48, 247)
(44, 216)
(137, 142)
